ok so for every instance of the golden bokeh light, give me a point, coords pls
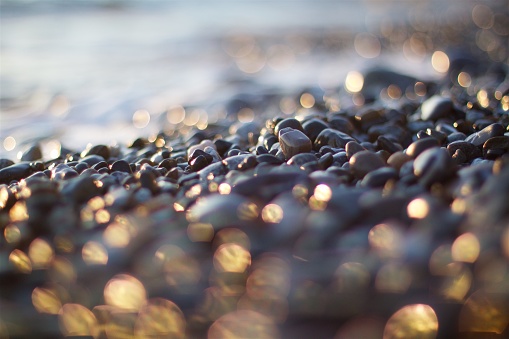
(307, 100)
(62, 271)
(243, 324)
(367, 45)
(160, 318)
(440, 260)
(351, 277)
(420, 89)
(175, 115)
(466, 248)
(412, 321)
(45, 300)
(125, 292)
(141, 118)
(117, 235)
(464, 79)
(440, 62)
(9, 143)
(354, 82)
(272, 213)
(245, 115)
(20, 261)
(77, 320)
(18, 212)
(12, 234)
(393, 278)
(224, 189)
(418, 208)
(231, 258)
(386, 239)
(323, 192)
(483, 16)
(94, 253)
(484, 312)
(233, 236)
(41, 253)
(457, 282)
(200, 232)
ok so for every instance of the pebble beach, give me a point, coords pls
(293, 181)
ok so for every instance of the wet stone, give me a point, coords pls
(353, 147)
(313, 127)
(496, 147)
(479, 138)
(15, 172)
(333, 138)
(101, 150)
(31, 154)
(379, 177)
(469, 150)
(436, 107)
(364, 162)
(419, 146)
(288, 122)
(294, 142)
(433, 165)
(5, 163)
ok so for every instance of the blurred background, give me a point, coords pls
(108, 71)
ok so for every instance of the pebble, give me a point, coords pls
(496, 147)
(433, 165)
(31, 154)
(333, 138)
(479, 138)
(436, 107)
(419, 146)
(363, 162)
(294, 142)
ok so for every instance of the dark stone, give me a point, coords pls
(99, 165)
(419, 146)
(325, 161)
(479, 138)
(101, 150)
(301, 159)
(15, 172)
(269, 159)
(353, 147)
(91, 160)
(222, 146)
(81, 189)
(469, 150)
(433, 165)
(388, 145)
(379, 177)
(288, 122)
(267, 186)
(167, 163)
(333, 138)
(456, 136)
(261, 150)
(32, 154)
(436, 107)
(370, 116)
(341, 124)
(313, 127)
(198, 152)
(496, 147)
(5, 163)
(364, 162)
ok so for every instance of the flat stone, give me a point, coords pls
(294, 142)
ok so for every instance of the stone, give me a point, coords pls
(479, 138)
(496, 147)
(15, 172)
(294, 142)
(433, 165)
(101, 150)
(436, 107)
(288, 122)
(31, 154)
(353, 147)
(313, 127)
(468, 149)
(363, 162)
(419, 146)
(333, 138)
